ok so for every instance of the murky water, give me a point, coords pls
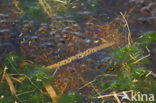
(47, 32)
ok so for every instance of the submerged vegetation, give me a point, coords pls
(28, 83)
(130, 63)
(24, 81)
(61, 56)
(36, 9)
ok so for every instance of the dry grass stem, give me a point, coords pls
(87, 84)
(110, 95)
(16, 3)
(3, 75)
(141, 59)
(46, 8)
(10, 83)
(20, 79)
(96, 79)
(116, 97)
(129, 32)
(50, 90)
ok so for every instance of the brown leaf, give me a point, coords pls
(10, 83)
(50, 90)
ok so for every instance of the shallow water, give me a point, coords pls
(26, 27)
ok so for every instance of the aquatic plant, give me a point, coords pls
(25, 78)
(85, 5)
(30, 9)
(131, 66)
(27, 82)
(38, 9)
(71, 97)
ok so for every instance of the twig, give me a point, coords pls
(16, 3)
(18, 99)
(51, 92)
(109, 95)
(55, 72)
(10, 83)
(33, 83)
(20, 79)
(148, 50)
(132, 56)
(96, 79)
(151, 73)
(105, 41)
(98, 93)
(17, 80)
(87, 84)
(46, 8)
(12, 65)
(141, 59)
(3, 75)
(129, 32)
(25, 93)
(116, 97)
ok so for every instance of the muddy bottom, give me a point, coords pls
(48, 42)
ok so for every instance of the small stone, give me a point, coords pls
(43, 30)
(34, 37)
(4, 16)
(59, 44)
(43, 24)
(70, 44)
(75, 33)
(84, 13)
(48, 45)
(2, 96)
(4, 21)
(89, 24)
(4, 31)
(145, 10)
(57, 36)
(69, 21)
(96, 41)
(55, 52)
(154, 13)
(90, 61)
(52, 33)
(49, 39)
(146, 20)
(26, 26)
(62, 40)
(1, 15)
(87, 41)
(7, 46)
